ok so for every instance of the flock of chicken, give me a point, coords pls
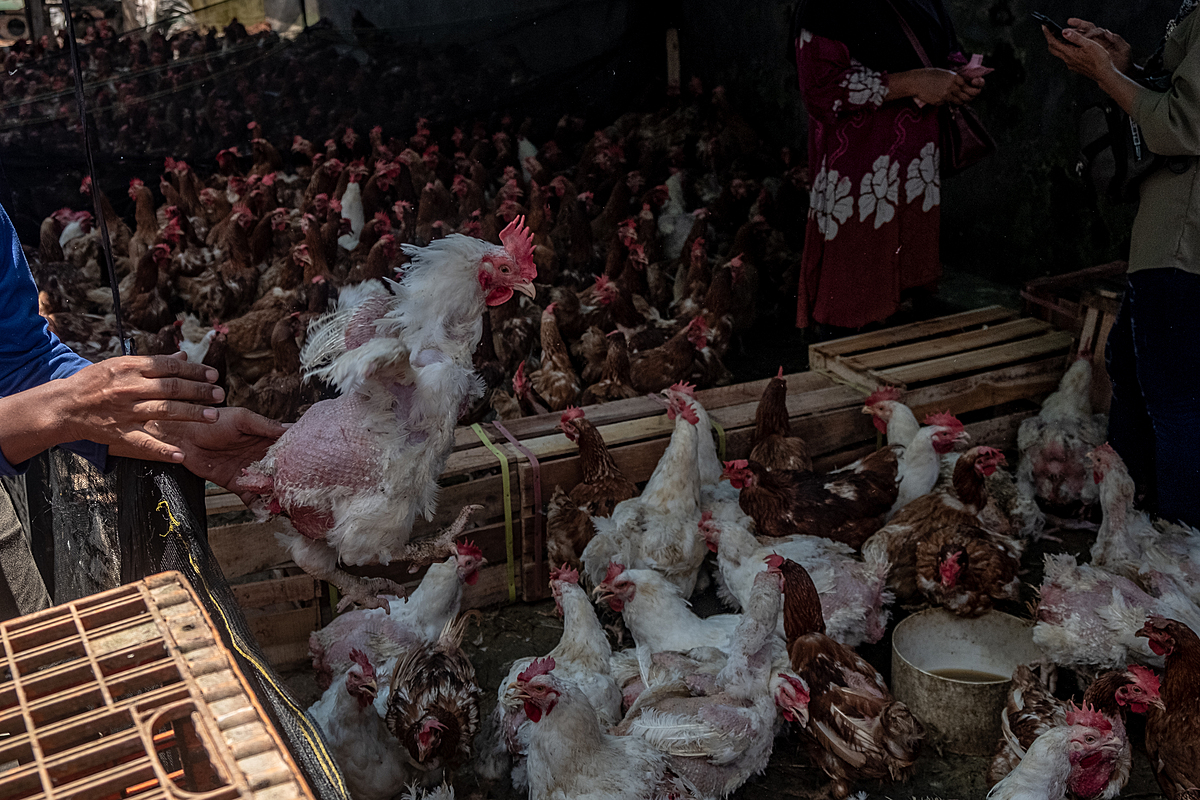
(811, 564)
(404, 278)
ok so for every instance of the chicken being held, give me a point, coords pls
(1054, 444)
(1173, 732)
(774, 445)
(581, 657)
(1032, 710)
(352, 474)
(569, 525)
(856, 730)
(571, 756)
(657, 530)
(720, 732)
(1062, 759)
(853, 593)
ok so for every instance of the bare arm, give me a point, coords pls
(933, 86)
(109, 403)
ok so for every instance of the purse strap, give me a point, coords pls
(912, 37)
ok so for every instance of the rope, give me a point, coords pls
(91, 162)
(535, 470)
(720, 437)
(508, 523)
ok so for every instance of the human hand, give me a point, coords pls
(113, 401)
(1082, 55)
(941, 86)
(220, 450)
(1118, 49)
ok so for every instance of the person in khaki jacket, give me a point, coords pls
(1154, 348)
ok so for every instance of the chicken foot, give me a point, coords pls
(320, 560)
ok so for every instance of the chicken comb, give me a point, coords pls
(518, 241)
(706, 517)
(944, 419)
(539, 666)
(135, 183)
(86, 186)
(680, 407)
(565, 574)
(737, 464)
(360, 658)
(991, 452)
(468, 549)
(1146, 678)
(779, 376)
(774, 562)
(684, 388)
(614, 570)
(1089, 716)
(884, 394)
(571, 413)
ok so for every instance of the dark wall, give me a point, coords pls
(1017, 216)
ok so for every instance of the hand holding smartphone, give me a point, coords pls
(1053, 26)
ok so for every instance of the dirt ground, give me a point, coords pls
(527, 629)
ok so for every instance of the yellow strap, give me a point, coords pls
(508, 523)
(720, 438)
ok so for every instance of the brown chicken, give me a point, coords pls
(774, 445)
(146, 307)
(281, 394)
(846, 506)
(856, 730)
(1032, 710)
(555, 380)
(1173, 732)
(614, 378)
(947, 518)
(433, 705)
(658, 368)
(569, 516)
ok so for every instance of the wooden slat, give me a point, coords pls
(988, 357)
(284, 634)
(294, 589)
(222, 502)
(958, 343)
(819, 354)
(1030, 381)
(248, 547)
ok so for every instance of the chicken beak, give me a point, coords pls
(962, 437)
(602, 592)
(526, 288)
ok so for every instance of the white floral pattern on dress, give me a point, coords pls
(863, 85)
(805, 37)
(830, 201)
(880, 191)
(923, 178)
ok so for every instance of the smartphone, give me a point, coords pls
(1053, 26)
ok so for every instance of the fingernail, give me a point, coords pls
(210, 374)
(210, 414)
(218, 394)
(177, 456)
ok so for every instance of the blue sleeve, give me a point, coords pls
(30, 354)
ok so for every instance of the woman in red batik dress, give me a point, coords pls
(873, 152)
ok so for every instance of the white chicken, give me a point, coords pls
(854, 596)
(657, 530)
(353, 473)
(581, 657)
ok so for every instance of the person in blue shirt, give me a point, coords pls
(157, 408)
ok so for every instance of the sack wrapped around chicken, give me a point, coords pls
(353, 472)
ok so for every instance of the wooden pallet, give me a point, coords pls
(989, 341)
(1060, 299)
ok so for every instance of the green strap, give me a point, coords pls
(508, 522)
(720, 438)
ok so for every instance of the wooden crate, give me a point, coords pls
(1059, 299)
(1004, 350)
